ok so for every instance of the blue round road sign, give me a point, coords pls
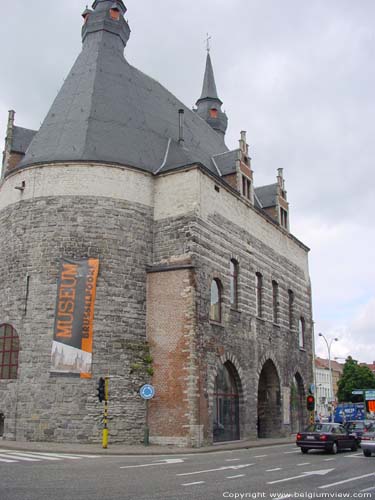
(147, 391)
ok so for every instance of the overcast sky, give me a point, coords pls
(298, 76)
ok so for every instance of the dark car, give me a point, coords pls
(358, 427)
(368, 441)
(328, 436)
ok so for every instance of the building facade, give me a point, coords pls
(326, 397)
(128, 224)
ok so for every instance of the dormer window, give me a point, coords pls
(114, 12)
(85, 15)
(214, 113)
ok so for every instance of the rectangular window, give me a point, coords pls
(275, 301)
(291, 304)
(259, 296)
(284, 218)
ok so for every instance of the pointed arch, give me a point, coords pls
(269, 400)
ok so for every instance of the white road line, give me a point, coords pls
(272, 470)
(233, 467)
(32, 455)
(289, 452)
(20, 458)
(8, 461)
(191, 484)
(304, 463)
(232, 459)
(347, 480)
(354, 455)
(368, 489)
(329, 459)
(58, 455)
(260, 456)
(235, 477)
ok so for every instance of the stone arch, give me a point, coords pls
(297, 403)
(227, 399)
(269, 400)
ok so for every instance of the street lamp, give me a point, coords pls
(329, 345)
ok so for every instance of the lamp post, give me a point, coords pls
(329, 345)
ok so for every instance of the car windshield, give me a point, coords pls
(319, 428)
(356, 425)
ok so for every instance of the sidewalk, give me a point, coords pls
(119, 449)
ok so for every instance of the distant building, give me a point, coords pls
(201, 289)
(324, 398)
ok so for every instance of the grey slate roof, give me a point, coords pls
(226, 162)
(209, 86)
(267, 195)
(108, 111)
(22, 138)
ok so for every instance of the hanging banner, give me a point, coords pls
(74, 316)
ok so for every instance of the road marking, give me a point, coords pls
(260, 456)
(289, 452)
(20, 457)
(271, 470)
(368, 489)
(235, 477)
(32, 455)
(6, 460)
(168, 461)
(329, 459)
(304, 463)
(191, 484)
(233, 467)
(354, 455)
(304, 474)
(232, 459)
(58, 455)
(347, 480)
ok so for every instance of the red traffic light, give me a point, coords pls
(310, 403)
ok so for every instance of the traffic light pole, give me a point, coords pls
(105, 416)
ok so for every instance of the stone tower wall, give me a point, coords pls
(75, 211)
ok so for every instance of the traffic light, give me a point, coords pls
(101, 389)
(310, 403)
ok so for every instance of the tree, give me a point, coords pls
(354, 376)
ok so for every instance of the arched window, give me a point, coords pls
(275, 301)
(301, 333)
(9, 349)
(233, 269)
(215, 309)
(291, 304)
(259, 294)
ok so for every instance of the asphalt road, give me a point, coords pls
(270, 472)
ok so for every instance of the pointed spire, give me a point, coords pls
(209, 86)
(209, 104)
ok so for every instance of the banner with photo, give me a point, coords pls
(74, 317)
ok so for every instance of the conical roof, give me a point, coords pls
(108, 111)
(209, 86)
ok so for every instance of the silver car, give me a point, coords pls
(368, 441)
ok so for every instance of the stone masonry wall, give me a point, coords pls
(34, 235)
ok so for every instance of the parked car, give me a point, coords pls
(368, 441)
(358, 427)
(327, 436)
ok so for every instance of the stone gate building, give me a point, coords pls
(134, 244)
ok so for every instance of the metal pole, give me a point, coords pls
(105, 416)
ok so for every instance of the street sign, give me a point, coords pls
(370, 395)
(147, 391)
(358, 391)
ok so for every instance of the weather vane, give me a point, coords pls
(208, 42)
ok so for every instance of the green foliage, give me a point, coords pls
(354, 376)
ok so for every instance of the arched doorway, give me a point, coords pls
(226, 407)
(269, 402)
(297, 398)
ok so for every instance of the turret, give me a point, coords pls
(209, 104)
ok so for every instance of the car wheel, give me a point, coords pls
(304, 450)
(367, 453)
(334, 448)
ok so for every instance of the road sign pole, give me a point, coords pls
(147, 392)
(146, 440)
(105, 415)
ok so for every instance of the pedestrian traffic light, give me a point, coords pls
(101, 389)
(310, 403)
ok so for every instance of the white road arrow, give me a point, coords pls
(230, 467)
(304, 474)
(167, 461)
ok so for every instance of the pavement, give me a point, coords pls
(123, 449)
